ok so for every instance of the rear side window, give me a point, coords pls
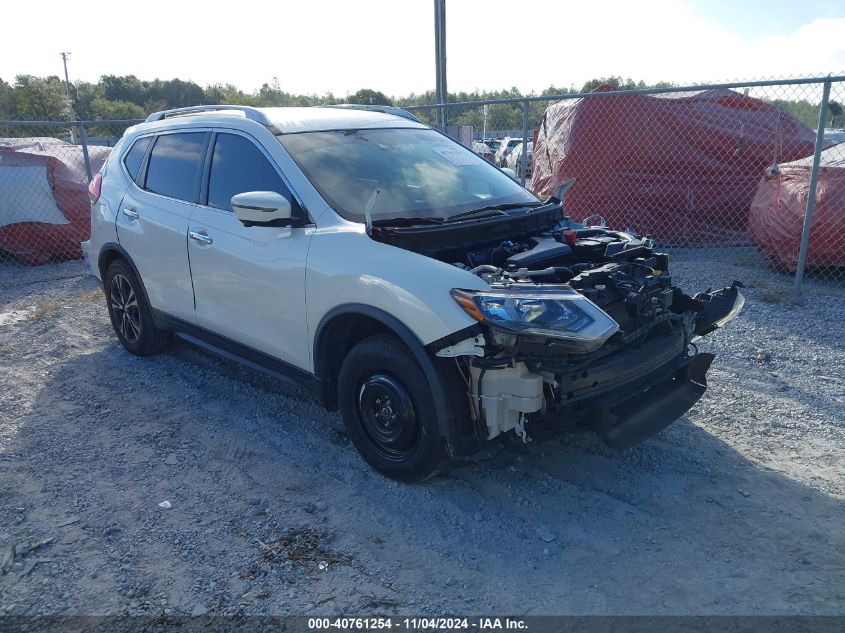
(174, 163)
(238, 166)
(135, 156)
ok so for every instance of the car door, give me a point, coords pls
(249, 282)
(152, 222)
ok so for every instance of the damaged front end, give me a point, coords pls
(624, 373)
(581, 328)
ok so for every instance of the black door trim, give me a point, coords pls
(232, 350)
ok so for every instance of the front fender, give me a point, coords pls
(345, 266)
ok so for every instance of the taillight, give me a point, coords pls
(95, 187)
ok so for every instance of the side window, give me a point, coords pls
(135, 156)
(173, 165)
(238, 166)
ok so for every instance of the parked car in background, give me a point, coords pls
(514, 160)
(483, 150)
(414, 286)
(506, 146)
(492, 143)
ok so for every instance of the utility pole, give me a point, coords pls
(440, 56)
(65, 55)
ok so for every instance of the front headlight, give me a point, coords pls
(563, 314)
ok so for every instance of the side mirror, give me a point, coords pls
(261, 207)
(509, 172)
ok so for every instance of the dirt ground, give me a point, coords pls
(737, 508)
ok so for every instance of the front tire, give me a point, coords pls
(130, 313)
(389, 410)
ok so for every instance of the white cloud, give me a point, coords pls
(337, 46)
(652, 41)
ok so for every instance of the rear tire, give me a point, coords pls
(130, 312)
(389, 410)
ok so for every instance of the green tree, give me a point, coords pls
(116, 110)
(616, 82)
(803, 110)
(103, 109)
(422, 98)
(227, 94)
(114, 96)
(124, 88)
(7, 101)
(84, 94)
(367, 96)
(834, 112)
(40, 98)
(272, 94)
(175, 93)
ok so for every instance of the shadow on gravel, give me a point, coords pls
(682, 524)
(19, 281)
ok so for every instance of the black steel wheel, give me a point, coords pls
(388, 416)
(389, 410)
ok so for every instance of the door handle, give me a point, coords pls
(201, 237)
(130, 213)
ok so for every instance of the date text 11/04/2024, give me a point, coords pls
(417, 624)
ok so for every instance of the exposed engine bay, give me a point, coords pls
(582, 328)
(619, 272)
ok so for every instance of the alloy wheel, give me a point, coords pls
(125, 310)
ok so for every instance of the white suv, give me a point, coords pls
(407, 280)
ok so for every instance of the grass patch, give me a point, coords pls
(47, 306)
(89, 296)
(304, 546)
(43, 309)
(772, 296)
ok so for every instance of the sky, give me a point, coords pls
(320, 46)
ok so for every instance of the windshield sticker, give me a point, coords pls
(455, 155)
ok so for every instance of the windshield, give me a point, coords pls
(421, 173)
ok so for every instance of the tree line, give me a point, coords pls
(113, 97)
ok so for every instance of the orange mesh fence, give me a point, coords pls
(44, 174)
(721, 170)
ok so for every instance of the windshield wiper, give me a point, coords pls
(493, 209)
(406, 221)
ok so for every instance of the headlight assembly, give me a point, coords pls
(566, 315)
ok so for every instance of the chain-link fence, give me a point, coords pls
(45, 168)
(718, 172)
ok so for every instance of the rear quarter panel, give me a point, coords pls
(103, 229)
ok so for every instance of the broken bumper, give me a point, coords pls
(626, 402)
(652, 406)
(625, 396)
(717, 308)
(643, 413)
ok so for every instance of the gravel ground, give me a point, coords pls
(735, 509)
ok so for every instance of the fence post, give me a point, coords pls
(811, 194)
(523, 160)
(83, 139)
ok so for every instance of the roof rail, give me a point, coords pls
(385, 109)
(255, 114)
